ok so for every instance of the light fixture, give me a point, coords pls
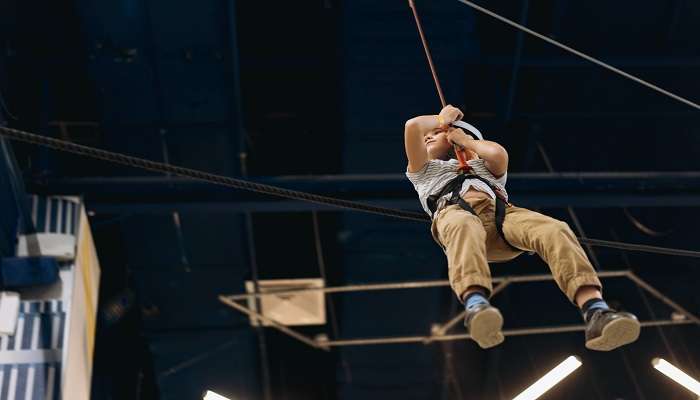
(550, 379)
(676, 374)
(209, 395)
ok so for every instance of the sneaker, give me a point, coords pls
(484, 323)
(610, 329)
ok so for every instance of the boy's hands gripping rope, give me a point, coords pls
(448, 115)
(457, 137)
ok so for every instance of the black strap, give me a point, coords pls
(500, 218)
(455, 187)
(457, 199)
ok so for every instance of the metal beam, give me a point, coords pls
(579, 189)
(439, 334)
(656, 293)
(238, 127)
(412, 285)
(405, 204)
(296, 335)
(507, 332)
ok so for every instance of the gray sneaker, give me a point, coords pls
(610, 329)
(484, 323)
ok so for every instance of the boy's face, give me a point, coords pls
(436, 143)
(438, 147)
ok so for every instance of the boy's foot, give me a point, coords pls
(484, 323)
(609, 329)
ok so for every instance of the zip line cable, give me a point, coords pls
(580, 54)
(587, 241)
(220, 180)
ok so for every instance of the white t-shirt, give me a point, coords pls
(438, 173)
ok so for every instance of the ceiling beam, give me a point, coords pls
(585, 190)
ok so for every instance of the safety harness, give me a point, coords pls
(454, 187)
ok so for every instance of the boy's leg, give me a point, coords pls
(556, 244)
(554, 241)
(462, 236)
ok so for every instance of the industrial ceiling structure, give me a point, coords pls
(313, 96)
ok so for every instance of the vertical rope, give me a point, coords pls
(581, 54)
(427, 52)
(458, 151)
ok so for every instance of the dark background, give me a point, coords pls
(320, 87)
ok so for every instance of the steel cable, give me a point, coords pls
(221, 180)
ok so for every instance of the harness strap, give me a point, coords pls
(451, 186)
(455, 186)
(500, 218)
(457, 199)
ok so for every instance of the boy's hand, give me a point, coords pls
(449, 114)
(457, 137)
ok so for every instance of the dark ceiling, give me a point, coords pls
(322, 87)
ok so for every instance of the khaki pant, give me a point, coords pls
(471, 241)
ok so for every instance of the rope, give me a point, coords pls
(427, 52)
(459, 152)
(220, 180)
(640, 247)
(581, 54)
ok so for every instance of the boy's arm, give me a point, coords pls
(494, 155)
(414, 140)
(416, 129)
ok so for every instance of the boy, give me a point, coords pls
(474, 224)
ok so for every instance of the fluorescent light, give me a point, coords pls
(209, 395)
(550, 379)
(677, 375)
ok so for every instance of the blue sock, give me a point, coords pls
(591, 306)
(474, 299)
